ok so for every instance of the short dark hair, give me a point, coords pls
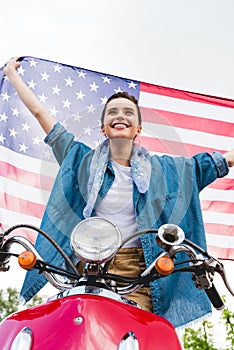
(122, 94)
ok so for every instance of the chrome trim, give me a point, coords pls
(23, 340)
(129, 342)
(81, 290)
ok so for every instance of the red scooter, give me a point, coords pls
(90, 312)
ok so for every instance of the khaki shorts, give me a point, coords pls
(130, 262)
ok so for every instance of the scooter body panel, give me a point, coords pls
(88, 322)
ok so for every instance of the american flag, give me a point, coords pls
(174, 122)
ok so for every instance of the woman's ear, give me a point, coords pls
(139, 128)
(103, 130)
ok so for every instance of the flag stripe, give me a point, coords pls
(222, 207)
(185, 95)
(196, 109)
(172, 147)
(226, 242)
(25, 192)
(219, 229)
(215, 217)
(11, 218)
(40, 166)
(220, 252)
(20, 205)
(213, 194)
(186, 136)
(214, 127)
(22, 176)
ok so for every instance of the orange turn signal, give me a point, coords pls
(164, 265)
(27, 260)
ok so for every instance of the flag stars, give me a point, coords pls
(2, 138)
(45, 76)
(26, 127)
(13, 133)
(36, 141)
(66, 103)
(80, 95)
(77, 117)
(106, 80)
(118, 90)
(57, 68)
(23, 147)
(47, 154)
(69, 81)
(93, 87)
(87, 131)
(5, 96)
(21, 70)
(91, 109)
(3, 117)
(31, 84)
(42, 98)
(81, 74)
(15, 112)
(56, 90)
(33, 63)
(132, 85)
(53, 111)
(103, 100)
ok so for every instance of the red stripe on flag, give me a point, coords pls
(220, 229)
(219, 252)
(189, 122)
(186, 95)
(223, 184)
(21, 205)
(218, 206)
(25, 177)
(172, 147)
(27, 233)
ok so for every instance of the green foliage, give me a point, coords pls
(202, 337)
(228, 318)
(9, 302)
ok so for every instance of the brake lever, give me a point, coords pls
(225, 281)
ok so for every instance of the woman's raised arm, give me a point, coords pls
(30, 100)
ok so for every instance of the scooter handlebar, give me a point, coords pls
(215, 298)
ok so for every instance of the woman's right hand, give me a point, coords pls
(12, 65)
(27, 96)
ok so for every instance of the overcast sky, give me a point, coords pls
(183, 44)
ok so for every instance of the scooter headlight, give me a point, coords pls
(95, 239)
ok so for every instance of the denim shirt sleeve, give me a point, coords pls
(220, 163)
(209, 167)
(60, 140)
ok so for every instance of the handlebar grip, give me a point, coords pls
(215, 298)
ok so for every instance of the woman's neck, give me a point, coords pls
(121, 150)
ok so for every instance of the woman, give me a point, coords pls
(122, 182)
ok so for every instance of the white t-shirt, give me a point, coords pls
(117, 205)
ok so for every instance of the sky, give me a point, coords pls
(179, 44)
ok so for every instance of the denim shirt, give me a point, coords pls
(172, 197)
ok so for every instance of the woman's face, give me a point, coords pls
(121, 119)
